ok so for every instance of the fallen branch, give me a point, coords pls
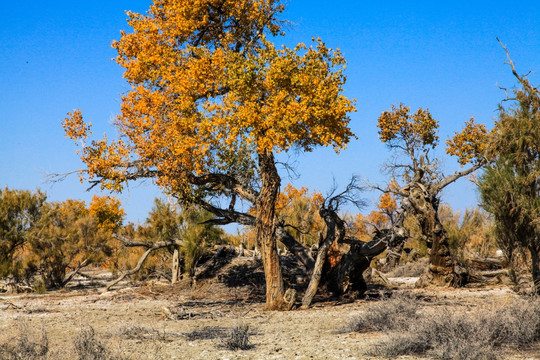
(150, 247)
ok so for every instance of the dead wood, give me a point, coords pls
(490, 263)
(150, 247)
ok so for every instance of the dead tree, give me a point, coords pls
(345, 273)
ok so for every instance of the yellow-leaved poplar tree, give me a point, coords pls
(418, 181)
(212, 101)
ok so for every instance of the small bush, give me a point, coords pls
(237, 338)
(39, 287)
(87, 347)
(207, 333)
(25, 344)
(393, 313)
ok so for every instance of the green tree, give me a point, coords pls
(198, 235)
(510, 187)
(65, 239)
(19, 212)
(470, 235)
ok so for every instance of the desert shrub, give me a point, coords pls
(237, 338)
(206, 333)
(87, 347)
(410, 269)
(137, 332)
(449, 335)
(393, 313)
(25, 344)
(39, 286)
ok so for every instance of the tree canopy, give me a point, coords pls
(208, 90)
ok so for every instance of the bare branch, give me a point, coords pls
(149, 245)
(458, 174)
(226, 216)
(227, 181)
(521, 78)
(350, 194)
(132, 271)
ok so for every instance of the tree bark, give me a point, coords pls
(265, 229)
(175, 269)
(330, 237)
(535, 260)
(442, 269)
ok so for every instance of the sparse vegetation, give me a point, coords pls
(25, 344)
(409, 269)
(447, 334)
(237, 338)
(87, 347)
(393, 313)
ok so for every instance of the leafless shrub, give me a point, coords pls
(478, 335)
(207, 333)
(393, 313)
(237, 338)
(25, 344)
(87, 347)
(410, 269)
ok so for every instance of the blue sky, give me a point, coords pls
(56, 57)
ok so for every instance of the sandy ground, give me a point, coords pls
(159, 321)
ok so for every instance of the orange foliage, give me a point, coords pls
(108, 212)
(415, 130)
(469, 144)
(206, 82)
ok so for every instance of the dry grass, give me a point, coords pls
(87, 347)
(410, 269)
(394, 313)
(25, 343)
(446, 334)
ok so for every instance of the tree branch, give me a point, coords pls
(458, 174)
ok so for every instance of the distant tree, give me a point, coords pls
(470, 234)
(212, 102)
(510, 186)
(64, 240)
(168, 233)
(198, 234)
(19, 212)
(417, 180)
(107, 211)
(299, 209)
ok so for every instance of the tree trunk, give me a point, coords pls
(321, 255)
(264, 225)
(175, 269)
(345, 274)
(442, 269)
(535, 260)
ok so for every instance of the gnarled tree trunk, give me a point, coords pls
(442, 269)
(265, 228)
(535, 260)
(332, 221)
